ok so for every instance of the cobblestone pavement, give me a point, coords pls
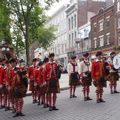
(72, 109)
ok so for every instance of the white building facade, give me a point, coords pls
(59, 21)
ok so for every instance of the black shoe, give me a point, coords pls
(88, 98)
(16, 115)
(116, 91)
(74, 96)
(98, 101)
(34, 101)
(21, 114)
(7, 108)
(112, 92)
(3, 106)
(71, 96)
(38, 103)
(14, 111)
(54, 108)
(44, 106)
(101, 100)
(85, 98)
(50, 108)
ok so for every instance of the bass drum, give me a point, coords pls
(116, 62)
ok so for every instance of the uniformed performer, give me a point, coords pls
(85, 74)
(52, 81)
(31, 74)
(98, 76)
(73, 76)
(113, 76)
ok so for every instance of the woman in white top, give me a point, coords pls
(73, 76)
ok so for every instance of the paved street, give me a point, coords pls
(72, 109)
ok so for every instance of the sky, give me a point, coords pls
(56, 6)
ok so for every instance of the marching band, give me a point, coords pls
(43, 79)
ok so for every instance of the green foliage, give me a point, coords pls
(4, 22)
(45, 36)
(27, 19)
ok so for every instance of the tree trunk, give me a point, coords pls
(27, 45)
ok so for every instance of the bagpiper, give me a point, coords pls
(113, 76)
(98, 76)
(73, 76)
(85, 74)
(31, 75)
(52, 82)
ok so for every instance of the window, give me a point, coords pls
(75, 20)
(108, 21)
(118, 22)
(75, 35)
(118, 6)
(95, 27)
(95, 42)
(108, 38)
(69, 23)
(72, 39)
(72, 22)
(101, 41)
(69, 41)
(101, 26)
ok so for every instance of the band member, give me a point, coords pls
(98, 76)
(19, 93)
(73, 76)
(113, 76)
(1, 83)
(12, 74)
(38, 80)
(85, 74)
(21, 65)
(31, 74)
(45, 95)
(52, 82)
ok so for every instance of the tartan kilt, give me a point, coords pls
(74, 79)
(44, 89)
(113, 76)
(53, 86)
(31, 88)
(100, 82)
(86, 81)
(4, 90)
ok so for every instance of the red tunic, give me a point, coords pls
(39, 75)
(1, 74)
(96, 70)
(31, 73)
(50, 71)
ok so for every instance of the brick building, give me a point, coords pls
(78, 14)
(103, 30)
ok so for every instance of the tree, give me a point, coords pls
(23, 15)
(5, 22)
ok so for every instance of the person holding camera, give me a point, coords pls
(85, 75)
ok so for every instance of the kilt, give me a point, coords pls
(113, 76)
(4, 90)
(74, 79)
(86, 81)
(31, 88)
(53, 86)
(100, 82)
(20, 91)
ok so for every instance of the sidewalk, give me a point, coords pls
(72, 109)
